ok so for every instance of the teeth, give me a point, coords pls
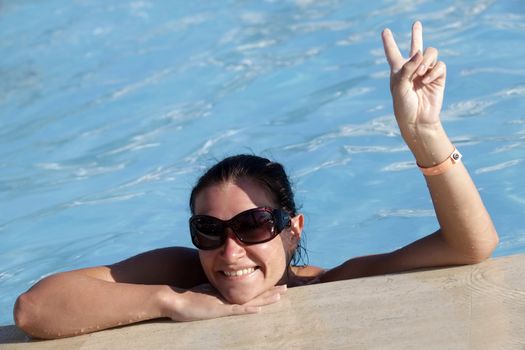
(239, 272)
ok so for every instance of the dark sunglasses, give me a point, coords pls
(252, 226)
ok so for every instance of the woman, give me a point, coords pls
(247, 231)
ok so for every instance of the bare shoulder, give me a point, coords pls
(307, 271)
(306, 275)
(177, 266)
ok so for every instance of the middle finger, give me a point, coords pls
(417, 38)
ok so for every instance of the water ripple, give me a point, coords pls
(492, 70)
(382, 126)
(105, 199)
(322, 25)
(154, 78)
(324, 165)
(499, 166)
(209, 144)
(256, 45)
(405, 213)
(399, 166)
(468, 108)
(84, 171)
(375, 149)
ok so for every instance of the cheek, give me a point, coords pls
(289, 245)
(273, 255)
(206, 259)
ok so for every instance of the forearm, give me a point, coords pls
(69, 304)
(465, 223)
(466, 233)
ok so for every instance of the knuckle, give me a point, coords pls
(407, 69)
(432, 50)
(236, 309)
(440, 66)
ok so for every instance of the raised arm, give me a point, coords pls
(466, 234)
(134, 290)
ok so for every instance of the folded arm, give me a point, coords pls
(137, 289)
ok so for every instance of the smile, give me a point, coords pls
(242, 272)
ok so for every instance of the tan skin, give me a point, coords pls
(185, 284)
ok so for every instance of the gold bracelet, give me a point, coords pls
(442, 167)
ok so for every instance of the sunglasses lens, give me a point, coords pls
(254, 226)
(207, 232)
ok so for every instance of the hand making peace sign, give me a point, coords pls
(417, 84)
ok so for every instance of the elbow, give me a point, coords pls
(25, 316)
(484, 249)
(21, 313)
(494, 242)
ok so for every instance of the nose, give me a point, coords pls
(232, 249)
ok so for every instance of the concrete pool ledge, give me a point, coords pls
(469, 307)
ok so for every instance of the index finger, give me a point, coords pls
(392, 53)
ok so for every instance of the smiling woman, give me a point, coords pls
(254, 251)
(247, 230)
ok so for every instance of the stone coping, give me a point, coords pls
(469, 307)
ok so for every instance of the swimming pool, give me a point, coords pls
(109, 111)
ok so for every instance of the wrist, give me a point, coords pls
(171, 302)
(444, 166)
(165, 301)
(429, 144)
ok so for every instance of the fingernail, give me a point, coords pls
(425, 80)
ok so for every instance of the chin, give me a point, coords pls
(238, 296)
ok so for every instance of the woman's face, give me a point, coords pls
(241, 272)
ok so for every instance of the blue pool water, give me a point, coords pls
(109, 110)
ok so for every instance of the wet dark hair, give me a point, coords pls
(271, 175)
